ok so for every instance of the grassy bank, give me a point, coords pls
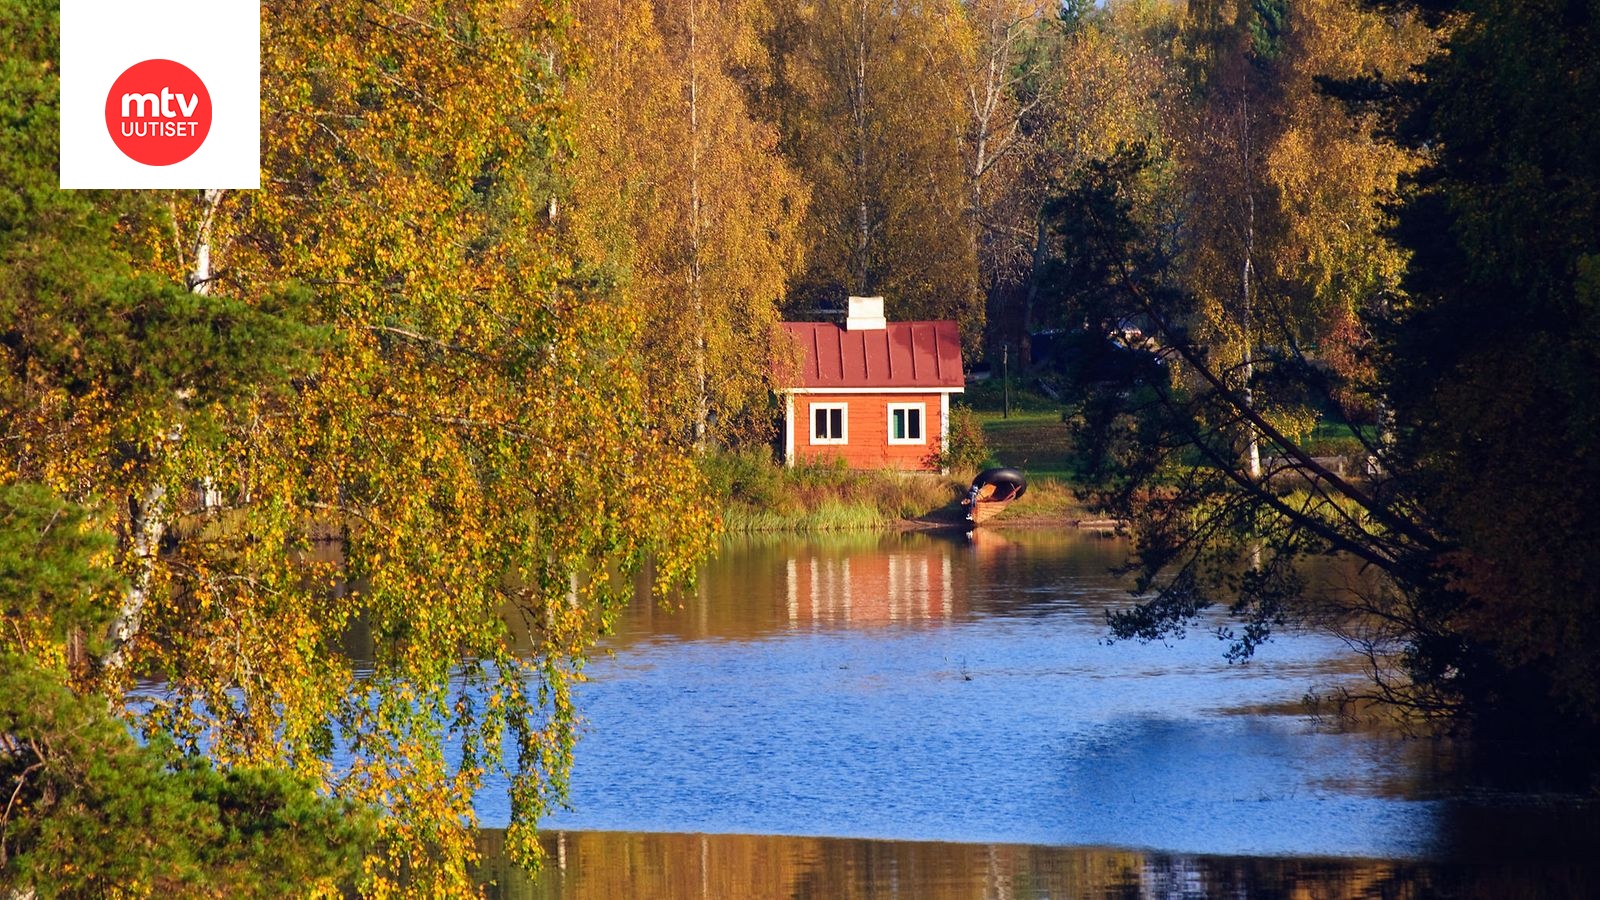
(1035, 442)
(758, 494)
(1031, 438)
(1034, 438)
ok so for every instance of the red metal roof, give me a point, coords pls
(903, 355)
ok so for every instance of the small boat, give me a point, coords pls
(992, 491)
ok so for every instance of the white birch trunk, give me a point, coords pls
(149, 514)
(1246, 312)
(696, 297)
(858, 111)
(1252, 439)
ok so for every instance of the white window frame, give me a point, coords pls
(844, 423)
(922, 423)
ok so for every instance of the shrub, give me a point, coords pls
(967, 448)
(747, 476)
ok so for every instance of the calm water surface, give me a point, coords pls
(923, 716)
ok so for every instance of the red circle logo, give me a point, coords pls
(158, 112)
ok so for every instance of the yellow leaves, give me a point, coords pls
(479, 431)
(1114, 95)
(1289, 178)
(1333, 176)
(881, 144)
(678, 187)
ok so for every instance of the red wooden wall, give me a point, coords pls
(868, 431)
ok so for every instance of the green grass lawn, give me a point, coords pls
(1338, 439)
(1037, 442)
(1033, 438)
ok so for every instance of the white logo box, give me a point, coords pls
(219, 39)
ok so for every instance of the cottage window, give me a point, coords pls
(905, 423)
(829, 423)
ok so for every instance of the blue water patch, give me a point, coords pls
(986, 708)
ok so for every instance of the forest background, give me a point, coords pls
(506, 249)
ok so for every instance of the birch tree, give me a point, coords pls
(867, 117)
(1287, 242)
(1116, 88)
(680, 188)
(1008, 77)
(420, 412)
(1232, 214)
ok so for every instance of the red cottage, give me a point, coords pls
(876, 393)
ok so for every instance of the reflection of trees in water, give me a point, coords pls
(583, 865)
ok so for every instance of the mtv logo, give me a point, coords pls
(161, 94)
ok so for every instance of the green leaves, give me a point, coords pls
(1491, 362)
(90, 809)
(54, 570)
(95, 812)
(1267, 22)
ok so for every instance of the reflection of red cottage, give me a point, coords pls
(914, 585)
(876, 393)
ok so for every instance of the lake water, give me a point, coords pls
(928, 716)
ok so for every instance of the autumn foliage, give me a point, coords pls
(393, 405)
(341, 479)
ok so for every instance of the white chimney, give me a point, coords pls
(866, 314)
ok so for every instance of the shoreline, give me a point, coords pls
(756, 496)
(1021, 522)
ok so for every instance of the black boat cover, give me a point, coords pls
(1009, 484)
